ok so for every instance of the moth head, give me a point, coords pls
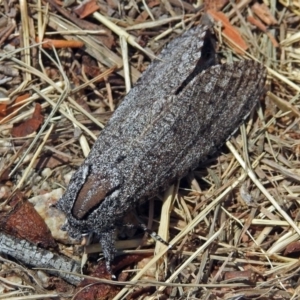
(91, 194)
(88, 188)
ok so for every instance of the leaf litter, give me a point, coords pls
(233, 221)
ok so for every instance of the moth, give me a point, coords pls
(182, 109)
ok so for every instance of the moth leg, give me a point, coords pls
(108, 247)
(154, 235)
(142, 226)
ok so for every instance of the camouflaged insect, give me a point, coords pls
(181, 110)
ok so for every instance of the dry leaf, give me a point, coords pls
(4, 174)
(86, 8)
(237, 276)
(6, 110)
(230, 32)
(91, 71)
(29, 126)
(50, 160)
(292, 248)
(101, 291)
(257, 23)
(3, 110)
(82, 102)
(263, 28)
(143, 16)
(214, 4)
(263, 12)
(23, 221)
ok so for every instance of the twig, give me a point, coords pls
(40, 258)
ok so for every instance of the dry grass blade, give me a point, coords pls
(233, 223)
(120, 32)
(183, 233)
(25, 36)
(96, 50)
(36, 154)
(262, 189)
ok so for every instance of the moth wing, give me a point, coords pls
(198, 121)
(156, 83)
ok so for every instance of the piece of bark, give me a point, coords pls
(34, 256)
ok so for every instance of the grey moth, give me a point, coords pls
(182, 109)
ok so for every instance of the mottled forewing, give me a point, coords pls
(195, 124)
(166, 74)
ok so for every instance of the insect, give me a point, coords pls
(182, 109)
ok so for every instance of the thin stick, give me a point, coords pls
(36, 154)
